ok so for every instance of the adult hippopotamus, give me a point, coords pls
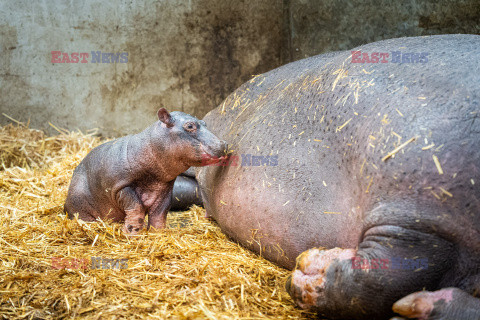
(378, 162)
(130, 177)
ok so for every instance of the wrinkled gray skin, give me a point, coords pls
(130, 177)
(331, 122)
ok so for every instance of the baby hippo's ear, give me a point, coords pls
(165, 117)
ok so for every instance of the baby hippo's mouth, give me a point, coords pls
(208, 156)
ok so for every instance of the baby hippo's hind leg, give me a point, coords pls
(76, 201)
(82, 215)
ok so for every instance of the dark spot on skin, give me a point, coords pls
(129, 228)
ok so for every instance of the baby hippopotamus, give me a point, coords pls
(129, 177)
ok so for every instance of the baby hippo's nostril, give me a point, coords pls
(129, 228)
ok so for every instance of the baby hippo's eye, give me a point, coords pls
(190, 126)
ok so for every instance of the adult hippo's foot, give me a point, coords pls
(307, 283)
(346, 283)
(445, 304)
(365, 283)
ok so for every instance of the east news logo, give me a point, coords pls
(97, 57)
(396, 57)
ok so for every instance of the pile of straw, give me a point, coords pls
(188, 271)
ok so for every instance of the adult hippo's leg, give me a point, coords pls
(445, 304)
(185, 192)
(322, 277)
(364, 283)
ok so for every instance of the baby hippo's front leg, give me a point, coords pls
(129, 202)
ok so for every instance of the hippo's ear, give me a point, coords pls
(165, 117)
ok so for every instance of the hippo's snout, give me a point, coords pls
(213, 153)
(221, 149)
(215, 150)
(212, 148)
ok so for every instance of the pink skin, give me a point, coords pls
(419, 305)
(309, 274)
(208, 159)
(134, 218)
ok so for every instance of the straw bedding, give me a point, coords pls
(188, 271)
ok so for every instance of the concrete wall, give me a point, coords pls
(322, 26)
(184, 55)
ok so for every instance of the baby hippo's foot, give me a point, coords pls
(307, 282)
(133, 224)
(445, 304)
